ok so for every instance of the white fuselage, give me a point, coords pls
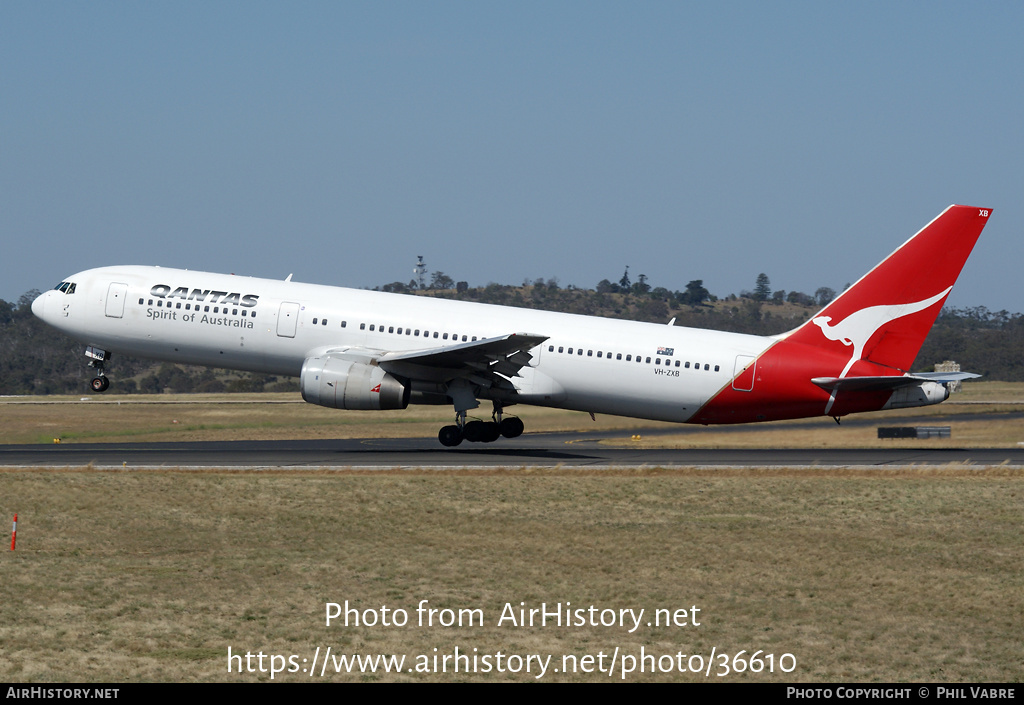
(589, 364)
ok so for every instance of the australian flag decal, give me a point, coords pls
(666, 351)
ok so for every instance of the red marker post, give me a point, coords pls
(14, 531)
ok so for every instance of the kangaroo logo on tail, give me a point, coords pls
(857, 329)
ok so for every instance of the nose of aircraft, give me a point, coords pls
(39, 304)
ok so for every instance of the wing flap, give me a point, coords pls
(513, 348)
(490, 363)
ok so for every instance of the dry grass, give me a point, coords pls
(189, 417)
(889, 576)
(989, 431)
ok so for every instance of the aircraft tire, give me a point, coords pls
(512, 427)
(491, 432)
(99, 384)
(474, 431)
(450, 436)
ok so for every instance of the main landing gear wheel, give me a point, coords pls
(481, 432)
(477, 431)
(512, 427)
(450, 436)
(99, 384)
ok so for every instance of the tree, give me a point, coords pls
(641, 286)
(440, 280)
(695, 293)
(624, 282)
(763, 288)
(800, 298)
(824, 296)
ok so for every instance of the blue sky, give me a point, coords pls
(509, 141)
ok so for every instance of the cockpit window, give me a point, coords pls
(65, 287)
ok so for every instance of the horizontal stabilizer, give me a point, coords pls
(875, 384)
(947, 376)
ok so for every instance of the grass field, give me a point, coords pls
(884, 576)
(196, 417)
(866, 576)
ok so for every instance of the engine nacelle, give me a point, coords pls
(921, 394)
(343, 384)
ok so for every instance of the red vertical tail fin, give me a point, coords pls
(885, 317)
(848, 357)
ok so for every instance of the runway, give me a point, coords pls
(541, 450)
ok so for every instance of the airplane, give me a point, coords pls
(357, 349)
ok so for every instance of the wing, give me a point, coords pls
(491, 362)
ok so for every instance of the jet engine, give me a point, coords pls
(343, 384)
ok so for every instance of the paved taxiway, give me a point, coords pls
(574, 449)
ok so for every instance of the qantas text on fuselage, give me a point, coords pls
(356, 349)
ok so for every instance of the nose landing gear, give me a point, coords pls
(97, 357)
